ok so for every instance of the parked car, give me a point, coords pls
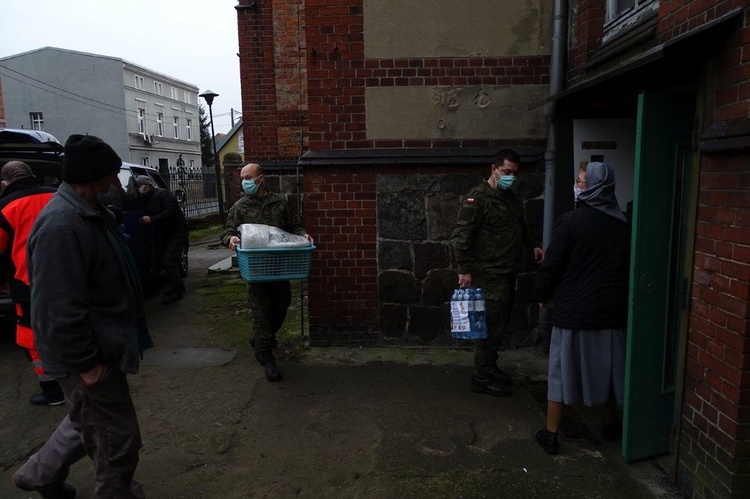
(44, 153)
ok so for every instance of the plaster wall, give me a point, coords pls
(474, 112)
(444, 28)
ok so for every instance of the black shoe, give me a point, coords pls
(502, 376)
(172, 297)
(65, 491)
(49, 399)
(272, 371)
(490, 386)
(547, 441)
(612, 431)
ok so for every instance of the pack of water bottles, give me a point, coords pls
(468, 314)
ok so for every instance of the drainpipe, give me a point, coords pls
(556, 83)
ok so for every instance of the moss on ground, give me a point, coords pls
(223, 304)
(200, 234)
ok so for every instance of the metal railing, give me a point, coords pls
(196, 190)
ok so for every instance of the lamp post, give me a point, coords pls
(208, 96)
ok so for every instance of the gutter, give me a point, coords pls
(556, 83)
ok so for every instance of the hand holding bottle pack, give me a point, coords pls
(468, 314)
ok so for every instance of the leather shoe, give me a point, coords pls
(272, 371)
(502, 376)
(490, 386)
(50, 399)
(65, 491)
(612, 431)
(547, 441)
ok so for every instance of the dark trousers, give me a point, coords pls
(102, 424)
(171, 253)
(498, 316)
(269, 302)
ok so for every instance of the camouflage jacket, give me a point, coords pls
(272, 209)
(490, 233)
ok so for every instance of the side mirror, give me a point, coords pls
(180, 195)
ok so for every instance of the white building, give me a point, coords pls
(147, 117)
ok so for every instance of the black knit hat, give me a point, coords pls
(87, 159)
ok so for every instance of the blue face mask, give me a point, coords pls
(505, 181)
(250, 187)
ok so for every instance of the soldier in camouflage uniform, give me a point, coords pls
(489, 237)
(269, 301)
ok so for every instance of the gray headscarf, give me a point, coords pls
(600, 190)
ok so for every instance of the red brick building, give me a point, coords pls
(391, 111)
(667, 83)
(378, 109)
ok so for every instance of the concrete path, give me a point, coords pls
(345, 422)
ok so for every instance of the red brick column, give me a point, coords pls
(256, 44)
(342, 289)
(716, 412)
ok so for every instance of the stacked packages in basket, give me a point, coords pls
(267, 253)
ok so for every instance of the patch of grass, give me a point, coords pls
(199, 234)
(224, 305)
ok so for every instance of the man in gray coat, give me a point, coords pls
(89, 325)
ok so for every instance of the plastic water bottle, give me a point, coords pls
(463, 309)
(480, 314)
(455, 315)
(471, 315)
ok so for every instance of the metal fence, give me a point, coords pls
(196, 189)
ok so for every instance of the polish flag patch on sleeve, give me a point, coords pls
(469, 200)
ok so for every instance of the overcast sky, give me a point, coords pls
(192, 40)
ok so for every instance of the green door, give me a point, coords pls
(663, 128)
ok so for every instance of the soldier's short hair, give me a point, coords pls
(508, 154)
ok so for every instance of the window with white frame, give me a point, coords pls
(622, 14)
(176, 127)
(141, 120)
(158, 89)
(144, 161)
(175, 93)
(192, 164)
(186, 97)
(160, 124)
(37, 121)
(188, 129)
(138, 82)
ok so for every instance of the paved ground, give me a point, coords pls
(344, 423)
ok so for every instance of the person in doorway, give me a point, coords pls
(488, 239)
(580, 183)
(269, 301)
(22, 199)
(89, 326)
(586, 276)
(164, 213)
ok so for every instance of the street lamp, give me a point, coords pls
(208, 96)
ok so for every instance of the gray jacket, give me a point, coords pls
(86, 301)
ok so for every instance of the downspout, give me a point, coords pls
(556, 83)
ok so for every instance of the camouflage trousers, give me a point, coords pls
(269, 302)
(498, 315)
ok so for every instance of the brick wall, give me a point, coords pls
(586, 31)
(716, 413)
(273, 74)
(342, 289)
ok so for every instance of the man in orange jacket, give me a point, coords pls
(22, 199)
